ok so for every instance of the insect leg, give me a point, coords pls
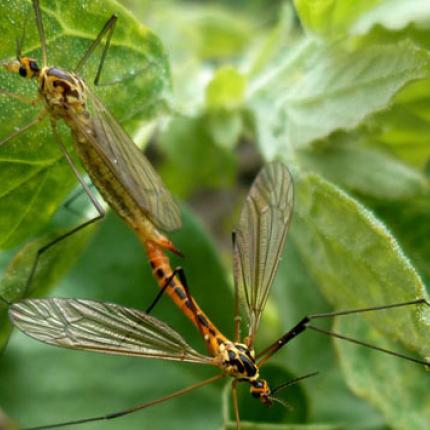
(134, 408)
(19, 97)
(237, 317)
(41, 30)
(73, 198)
(86, 188)
(96, 204)
(6, 302)
(305, 324)
(108, 29)
(23, 129)
(235, 402)
(161, 292)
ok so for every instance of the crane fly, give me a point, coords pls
(116, 166)
(112, 329)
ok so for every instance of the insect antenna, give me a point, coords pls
(282, 402)
(20, 40)
(281, 387)
(19, 43)
(293, 381)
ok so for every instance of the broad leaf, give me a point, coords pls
(357, 263)
(337, 18)
(398, 388)
(364, 170)
(35, 178)
(318, 89)
(393, 15)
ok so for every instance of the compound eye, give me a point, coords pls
(22, 71)
(33, 66)
(258, 384)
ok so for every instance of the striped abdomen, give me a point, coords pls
(113, 191)
(162, 272)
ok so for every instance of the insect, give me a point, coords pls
(119, 170)
(258, 245)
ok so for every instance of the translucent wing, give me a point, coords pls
(260, 237)
(130, 167)
(102, 327)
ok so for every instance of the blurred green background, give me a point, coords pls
(340, 92)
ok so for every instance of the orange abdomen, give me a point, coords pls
(162, 272)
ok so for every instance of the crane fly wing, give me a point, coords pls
(260, 237)
(130, 167)
(102, 327)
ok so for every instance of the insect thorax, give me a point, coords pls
(64, 93)
(238, 361)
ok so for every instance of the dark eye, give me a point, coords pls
(33, 66)
(22, 71)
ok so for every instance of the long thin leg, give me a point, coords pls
(19, 97)
(235, 403)
(96, 204)
(23, 129)
(368, 345)
(89, 193)
(75, 196)
(108, 29)
(163, 289)
(237, 317)
(41, 30)
(305, 323)
(6, 302)
(134, 408)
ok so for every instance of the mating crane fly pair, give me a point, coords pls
(128, 183)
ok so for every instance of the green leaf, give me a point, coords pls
(78, 384)
(396, 387)
(357, 263)
(195, 159)
(405, 128)
(225, 95)
(205, 30)
(319, 89)
(272, 41)
(409, 223)
(331, 18)
(226, 90)
(393, 15)
(294, 295)
(363, 170)
(255, 426)
(198, 37)
(35, 178)
(334, 19)
(52, 266)
(225, 128)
